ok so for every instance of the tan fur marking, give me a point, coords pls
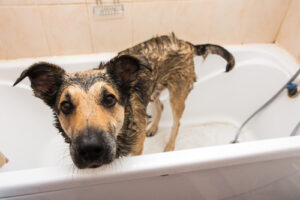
(88, 112)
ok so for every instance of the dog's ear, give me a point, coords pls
(124, 68)
(45, 80)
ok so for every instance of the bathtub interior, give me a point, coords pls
(215, 108)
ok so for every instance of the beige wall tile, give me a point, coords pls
(111, 34)
(3, 55)
(108, 1)
(17, 2)
(153, 18)
(155, 0)
(289, 35)
(42, 2)
(263, 19)
(22, 33)
(67, 29)
(71, 28)
(194, 19)
(228, 25)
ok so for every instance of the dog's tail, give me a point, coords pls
(205, 49)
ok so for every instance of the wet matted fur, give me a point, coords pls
(102, 112)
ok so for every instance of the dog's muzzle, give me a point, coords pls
(91, 149)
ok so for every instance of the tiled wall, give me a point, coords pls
(34, 28)
(289, 35)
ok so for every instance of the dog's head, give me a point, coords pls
(89, 106)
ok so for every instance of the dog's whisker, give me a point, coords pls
(74, 170)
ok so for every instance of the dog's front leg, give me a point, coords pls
(158, 108)
(178, 95)
(141, 122)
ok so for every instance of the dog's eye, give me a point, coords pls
(66, 107)
(109, 100)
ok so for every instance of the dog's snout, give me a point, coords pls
(90, 148)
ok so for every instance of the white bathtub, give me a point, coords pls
(265, 165)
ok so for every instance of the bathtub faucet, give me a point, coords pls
(292, 90)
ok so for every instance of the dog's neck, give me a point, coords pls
(134, 124)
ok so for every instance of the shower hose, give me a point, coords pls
(288, 85)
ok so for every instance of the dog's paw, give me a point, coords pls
(169, 148)
(3, 160)
(151, 131)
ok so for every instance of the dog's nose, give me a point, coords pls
(90, 149)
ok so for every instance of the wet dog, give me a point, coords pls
(102, 112)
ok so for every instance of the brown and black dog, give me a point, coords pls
(102, 112)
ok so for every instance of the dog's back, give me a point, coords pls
(172, 60)
(161, 48)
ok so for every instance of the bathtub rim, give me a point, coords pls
(271, 50)
(51, 179)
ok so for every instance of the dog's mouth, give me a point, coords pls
(95, 166)
(91, 160)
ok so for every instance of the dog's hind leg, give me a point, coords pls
(177, 101)
(158, 108)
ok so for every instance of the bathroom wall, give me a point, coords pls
(35, 28)
(289, 35)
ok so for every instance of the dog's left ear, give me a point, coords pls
(124, 68)
(45, 79)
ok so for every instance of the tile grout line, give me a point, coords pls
(213, 17)
(247, 13)
(282, 22)
(74, 3)
(44, 29)
(132, 24)
(90, 29)
(173, 20)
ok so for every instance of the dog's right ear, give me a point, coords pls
(45, 79)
